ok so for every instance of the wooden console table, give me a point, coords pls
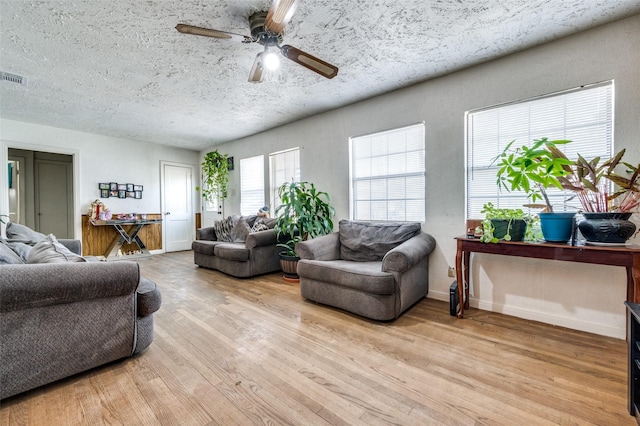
(123, 237)
(627, 256)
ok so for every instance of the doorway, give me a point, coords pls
(177, 206)
(42, 193)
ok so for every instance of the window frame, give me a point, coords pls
(418, 170)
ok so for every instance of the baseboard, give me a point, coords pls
(574, 324)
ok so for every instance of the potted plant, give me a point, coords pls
(215, 176)
(304, 213)
(533, 169)
(503, 224)
(606, 214)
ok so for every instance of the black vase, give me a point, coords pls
(610, 228)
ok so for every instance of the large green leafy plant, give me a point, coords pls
(304, 213)
(533, 169)
(215, 176)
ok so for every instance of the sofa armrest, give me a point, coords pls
(74, 245)
(409, 253)
(261, 238)
(207, 233)
(325, 247)
(47, 284)
(148, 297)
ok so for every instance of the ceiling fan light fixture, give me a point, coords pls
(271, 60)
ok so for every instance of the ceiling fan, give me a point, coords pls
(267, 29)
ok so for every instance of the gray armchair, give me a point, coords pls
(376, 270)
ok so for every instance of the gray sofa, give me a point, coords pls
(373, 269)
(241, 249)
(62, 318)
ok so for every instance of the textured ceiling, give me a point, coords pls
(119, 68)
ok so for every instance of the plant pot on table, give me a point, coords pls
(607, 227)
(557, 227)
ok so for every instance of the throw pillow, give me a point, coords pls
(370, 241)
(17, 232)
(259, 226)
(240, 231)
(223, 229)
(8, 256)
(20, 248)
(51, 251)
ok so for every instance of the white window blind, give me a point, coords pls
(388, 175)
(284, 167)
(583, 115)
(251, 184)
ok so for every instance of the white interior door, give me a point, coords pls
(177, 206)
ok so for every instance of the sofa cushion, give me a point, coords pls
(232, 251)
(8, 256)
(240, 231)
(362, 276)
(51, 251)
(204, 246)
(17, 232)
(370, 241)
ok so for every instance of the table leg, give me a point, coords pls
(459, 279)
(633, 280)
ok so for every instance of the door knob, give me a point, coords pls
(167, 213)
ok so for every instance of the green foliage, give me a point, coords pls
(533, 169)
(304, 213)
(492, 212)
(215, 175)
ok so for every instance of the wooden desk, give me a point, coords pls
(123, 237)
(628, 256)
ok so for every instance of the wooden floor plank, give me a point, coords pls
(232, 351)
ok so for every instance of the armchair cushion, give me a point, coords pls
(360, 276)
(370, 241)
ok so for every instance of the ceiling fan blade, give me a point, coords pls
(206, 32)
(280, 14)
(323, 68)
(257, 70)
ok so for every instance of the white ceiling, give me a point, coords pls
(119, 68)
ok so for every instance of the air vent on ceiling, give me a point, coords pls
(13, 78)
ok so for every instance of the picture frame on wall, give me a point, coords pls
(113, 186)
(122, 187)
(104, 185)
(137, 187)
(138, 194)
(130, 194)
(130, 187)
(122, 194)
(113, 193)
(104, 193)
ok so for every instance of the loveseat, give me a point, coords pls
(240, 246)
(376, 270)
(63, 315)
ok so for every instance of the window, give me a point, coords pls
(388, 175)
(251, 184)
(583, 115)
(284, 166)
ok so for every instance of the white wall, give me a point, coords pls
(97, 159)
(584, 297)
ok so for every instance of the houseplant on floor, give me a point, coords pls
(533, 169)
(304, 213)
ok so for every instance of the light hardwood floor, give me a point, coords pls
(252, 351)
